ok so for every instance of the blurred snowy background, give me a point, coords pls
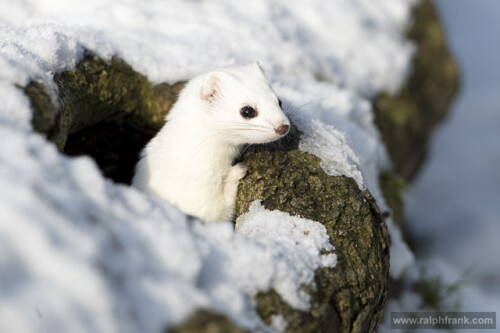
(454, 206)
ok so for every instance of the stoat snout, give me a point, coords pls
(282, 129)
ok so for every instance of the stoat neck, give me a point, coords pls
(203, 146)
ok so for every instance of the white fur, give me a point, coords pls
(189, 161)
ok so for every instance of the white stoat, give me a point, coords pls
(190, 161)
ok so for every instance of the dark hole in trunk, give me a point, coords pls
(115, 147)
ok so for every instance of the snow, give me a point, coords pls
(87, 255)
(329, 144)
(295, 233)
(15, 108)
(297, 38)
(79, 253)
(279, 323)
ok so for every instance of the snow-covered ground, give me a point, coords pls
(454, 206)
(81, 254)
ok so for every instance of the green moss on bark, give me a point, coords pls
(393, 187)
(44, 111)
(349, 297)
(98, 91)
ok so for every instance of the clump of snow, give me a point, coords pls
(15, 108)
(80, 254)
(301, 242)
(279, 323)
(337, 158)
(36, 51)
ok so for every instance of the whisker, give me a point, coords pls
(301, 108)
(241, 125)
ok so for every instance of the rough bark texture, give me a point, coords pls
(406, 121)
(349, 297)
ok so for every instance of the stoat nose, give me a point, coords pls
(283, 129)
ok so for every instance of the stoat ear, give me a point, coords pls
(257, 67)
(211, 87)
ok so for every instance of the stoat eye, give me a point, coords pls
(280, 103)
(248, 112)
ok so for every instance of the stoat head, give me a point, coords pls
(243, 106)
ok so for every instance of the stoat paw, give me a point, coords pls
(239, 170)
